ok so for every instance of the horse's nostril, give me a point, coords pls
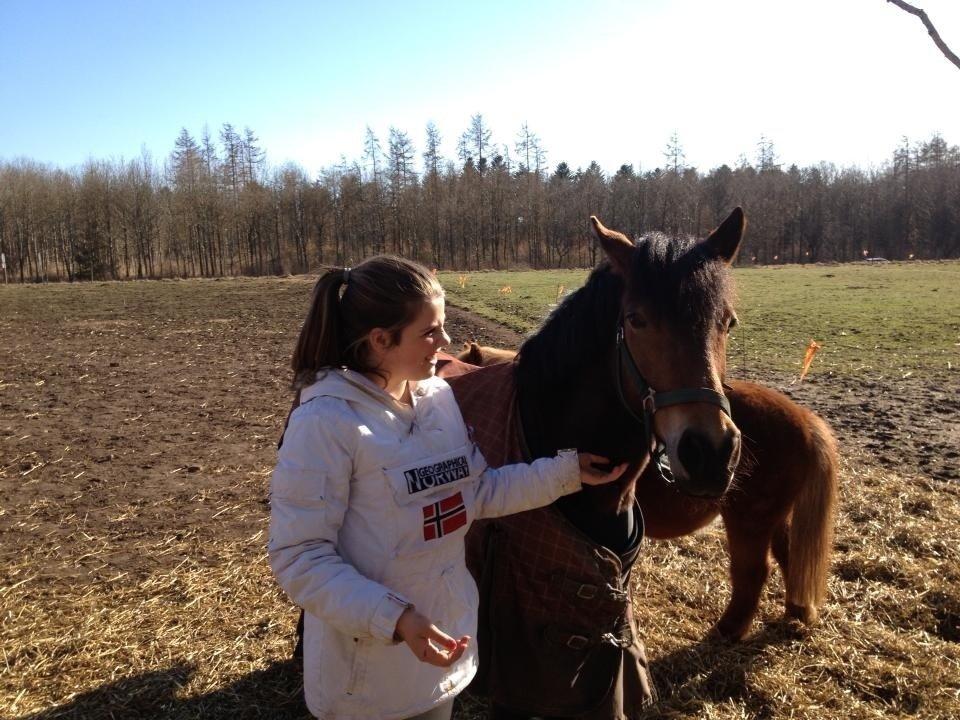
(693, 450)
(730, 450)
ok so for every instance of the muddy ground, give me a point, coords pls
(138, 425)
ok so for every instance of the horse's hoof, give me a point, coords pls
(807, 614)
(724, 633)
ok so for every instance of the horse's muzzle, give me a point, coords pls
(707, 467)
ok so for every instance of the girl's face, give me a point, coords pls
(414, 357)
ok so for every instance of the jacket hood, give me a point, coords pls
(351, 386)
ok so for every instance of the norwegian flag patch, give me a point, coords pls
(444, 517)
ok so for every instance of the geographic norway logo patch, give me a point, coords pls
(444, 517)
(436, 474)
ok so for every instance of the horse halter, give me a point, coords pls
(653, 401)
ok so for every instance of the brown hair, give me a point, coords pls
(382, 292)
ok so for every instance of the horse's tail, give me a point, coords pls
(811, 527)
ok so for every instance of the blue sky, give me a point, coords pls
(606, 80)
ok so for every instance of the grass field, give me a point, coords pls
(873, 320)
(138, 424)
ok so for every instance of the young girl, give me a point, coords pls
(376, 485)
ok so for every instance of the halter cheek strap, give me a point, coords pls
(653, 401)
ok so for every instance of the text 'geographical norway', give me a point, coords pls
(436, 475)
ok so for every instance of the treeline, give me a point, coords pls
(214, 207)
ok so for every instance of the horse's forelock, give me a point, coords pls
(679, 281)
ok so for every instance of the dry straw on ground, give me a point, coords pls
(208, 636)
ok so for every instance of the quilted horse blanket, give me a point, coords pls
(556, 635)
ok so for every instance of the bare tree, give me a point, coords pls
(253, 156)
(529, 221)
(401, 175)
(934, 35)
(674, 154)
(230, 169)
(766, 155)
(432, 161)
(373, 154)
(475, 141)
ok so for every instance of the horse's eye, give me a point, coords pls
(636, 320)
(732, 323)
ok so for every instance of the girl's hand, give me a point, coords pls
(425, 640)
(591, 475)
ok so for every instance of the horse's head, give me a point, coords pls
(676, 313)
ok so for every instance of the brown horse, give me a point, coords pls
(483, 355)
(657, 314)
(790, 467)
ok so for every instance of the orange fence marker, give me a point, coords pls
(808, 356)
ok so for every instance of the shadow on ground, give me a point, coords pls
(274, 692)
(692, 679)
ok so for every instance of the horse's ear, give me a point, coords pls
(616, 245)
(725, 240)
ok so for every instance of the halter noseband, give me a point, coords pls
(653, 401)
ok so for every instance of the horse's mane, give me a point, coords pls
(675, 278)
(572, 334)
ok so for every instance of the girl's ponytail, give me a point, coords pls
(321, 340)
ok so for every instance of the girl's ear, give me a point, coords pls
(379, 340)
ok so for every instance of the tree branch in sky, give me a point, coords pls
(938, 41)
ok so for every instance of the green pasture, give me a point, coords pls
(889, 320)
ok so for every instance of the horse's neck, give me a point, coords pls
(586, 414)
(583, 412)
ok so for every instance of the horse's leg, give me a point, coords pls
(780, 545)
(749, 546)
(781, 553)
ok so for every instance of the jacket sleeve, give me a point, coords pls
(308, 500)
(515, 488)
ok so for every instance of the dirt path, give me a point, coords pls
(464, 326)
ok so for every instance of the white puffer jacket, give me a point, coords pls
(370, 502)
